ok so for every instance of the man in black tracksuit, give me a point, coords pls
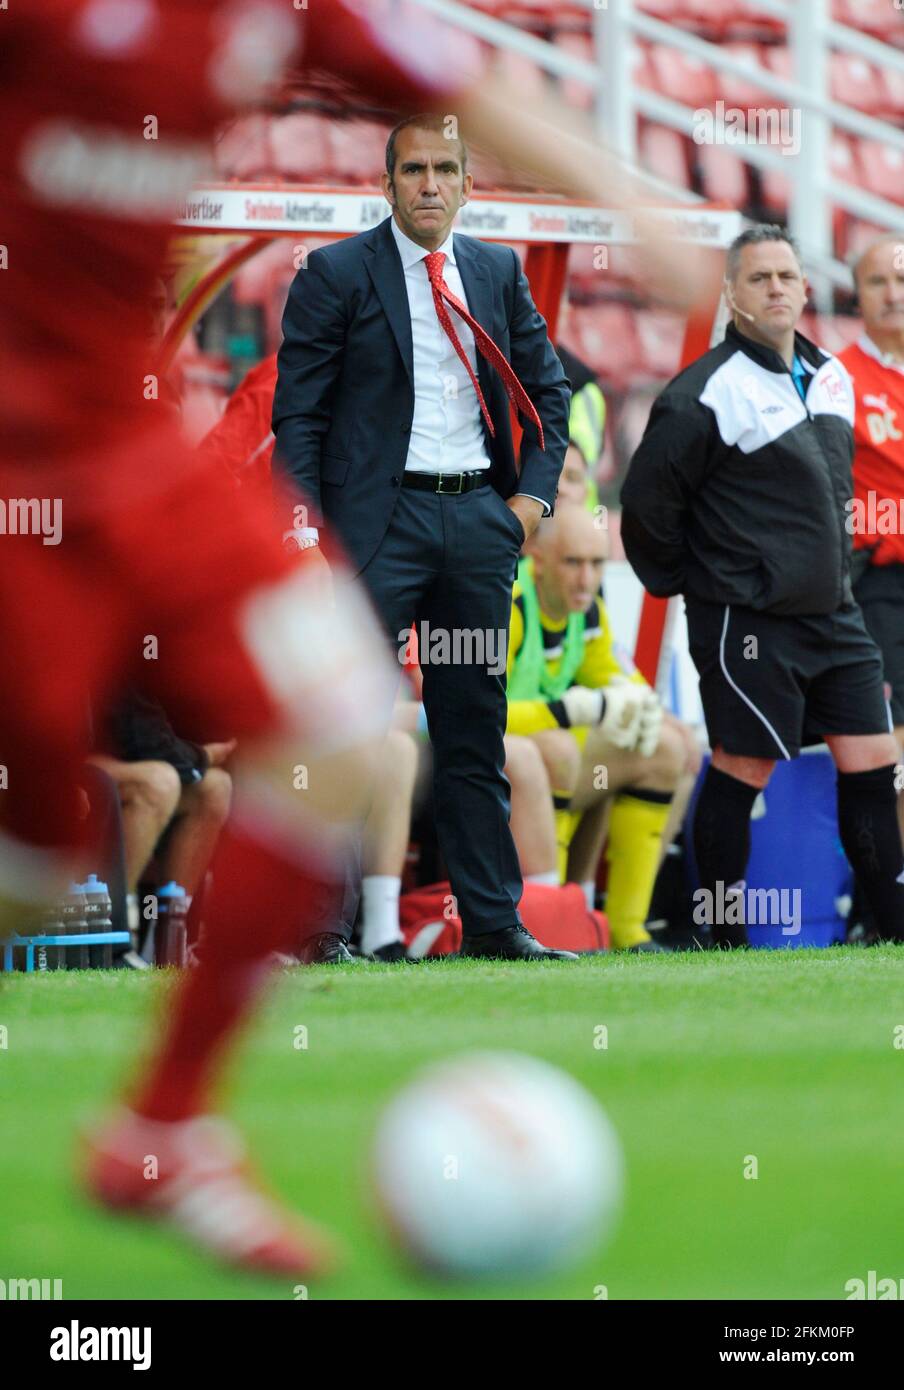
(738, 498)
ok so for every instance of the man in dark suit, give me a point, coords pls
(402, 348)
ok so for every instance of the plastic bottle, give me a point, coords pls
(74, 920)
(50, 923)
(99, 918)
(170, 939)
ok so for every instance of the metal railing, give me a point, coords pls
(811, 36)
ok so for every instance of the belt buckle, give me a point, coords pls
(450, 491)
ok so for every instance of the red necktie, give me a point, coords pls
(485, 346)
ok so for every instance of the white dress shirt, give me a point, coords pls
(447, 429)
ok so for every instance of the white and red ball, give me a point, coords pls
(496, 1163)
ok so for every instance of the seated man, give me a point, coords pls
(598, 725)
(175, 794)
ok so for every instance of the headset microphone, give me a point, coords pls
(735, 309)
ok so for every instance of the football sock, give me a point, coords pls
(632, 853)
(256, 901)
(589, 891)
(868, 826)
(722, 843)
(566, 822)
(379, 911)
(549, 880)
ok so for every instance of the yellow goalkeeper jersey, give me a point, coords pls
(599, 662)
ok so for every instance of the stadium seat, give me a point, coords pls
(660, 336)
(843, 164)
(740, 91)
(243, 150)
(523, 72)
(682, 78)
(723, 174)
(302, 146)
(359, 151)
(605, 337)
(854, 235)
(892, 104)
(855, 82)
(882, 170)
(745, 21)
(864, 15)
(575, 92)
(665, 153)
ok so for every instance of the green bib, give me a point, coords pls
(530, 678)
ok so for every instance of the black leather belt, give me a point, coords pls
(446, 483)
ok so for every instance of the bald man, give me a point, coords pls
(598, 725)
(876, 365)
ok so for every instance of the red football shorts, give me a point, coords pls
(185, 590)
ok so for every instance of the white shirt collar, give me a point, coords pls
(866, 344)
(411, 253)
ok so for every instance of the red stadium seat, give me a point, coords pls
(855, 82)
(358, 151)
(243, 150)
(302, 146)
(660, 336)
(854, 236)
(744, 20)
(723, 173)
(681, 78)
(523, 72)
(665, 153)
(865, 15)
(892, 103)
(605, 337)
(882, 170)
(740, 91)
(581, 46)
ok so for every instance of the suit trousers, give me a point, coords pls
(447, 563)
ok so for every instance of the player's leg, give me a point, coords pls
(693, 761)
(640, 790)
(752, 695)
(149, 794)
(201, 813)
(560, 750)
(248, 646)
(386, 835)
(532, 821)
(847, 705)
(869, 804)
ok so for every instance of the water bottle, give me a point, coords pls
(172, 910)
(74, 923)
(99, 918)
(49, 923)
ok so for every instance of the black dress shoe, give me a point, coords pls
(328, 948)
(511, 943)
(396, 953)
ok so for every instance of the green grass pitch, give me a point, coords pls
(791, 1057)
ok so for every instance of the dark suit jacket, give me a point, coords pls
(344, 398)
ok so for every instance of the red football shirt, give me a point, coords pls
(879, 451)
(108, 111)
